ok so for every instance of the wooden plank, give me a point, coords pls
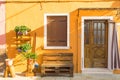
(57, 58)
(59, 53)
(57, 65)
(57, 62)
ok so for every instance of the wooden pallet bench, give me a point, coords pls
(57, 64)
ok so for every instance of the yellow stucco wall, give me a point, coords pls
(32, 15)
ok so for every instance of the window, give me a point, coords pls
(56, 31)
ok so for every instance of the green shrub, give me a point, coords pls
(24, 47)
(30, 55)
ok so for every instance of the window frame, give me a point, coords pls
(45, 32)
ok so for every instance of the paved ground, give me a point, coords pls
(83, 76)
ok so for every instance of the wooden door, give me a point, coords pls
(95, 43)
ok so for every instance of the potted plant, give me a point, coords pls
(25, 50)
(30, 55)
(21, 30)
(24, 47)
(30, 61)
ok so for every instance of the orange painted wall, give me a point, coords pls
(32, 15)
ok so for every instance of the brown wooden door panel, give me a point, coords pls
(95, 43)
(87, 57)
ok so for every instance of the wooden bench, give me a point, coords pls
(57, 64)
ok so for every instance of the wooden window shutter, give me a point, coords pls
(56, 30)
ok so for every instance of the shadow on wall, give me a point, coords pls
(11, 41)
(11, 46)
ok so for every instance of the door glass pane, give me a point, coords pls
(99, 30)
(95, 26)
(99, 26)
(95, 40)
(103, 32)
(103, 26)
(95, 33)
(99, 37)
(86, 33)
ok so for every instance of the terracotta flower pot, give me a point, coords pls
(30, 65)
(30, 61)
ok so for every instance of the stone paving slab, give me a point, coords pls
(82, 76)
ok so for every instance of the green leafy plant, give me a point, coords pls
(24, 29)
(17, 28)
(24, 47)
(21, 30)
(30, 55)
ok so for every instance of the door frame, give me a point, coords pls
(82, 37)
